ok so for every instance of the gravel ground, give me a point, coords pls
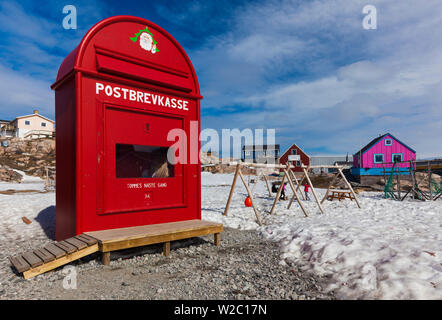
(245, 266)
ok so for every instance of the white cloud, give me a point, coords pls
(22, 93)
(328, 81)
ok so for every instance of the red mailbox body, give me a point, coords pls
(117, 96)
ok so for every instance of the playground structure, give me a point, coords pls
(433, 193)
(294, 183)
(246, 185)
(306, 177)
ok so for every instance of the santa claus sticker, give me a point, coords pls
(147, 41)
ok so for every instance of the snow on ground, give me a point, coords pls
(386, 250)
(15, 235)
(27, 183)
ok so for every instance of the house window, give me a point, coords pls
(43, 124)
(27, 122)
(294, 151)
(388, 142)
(379, 158)
(397, 157)
(298, 163)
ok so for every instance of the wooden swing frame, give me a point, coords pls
(338, 173)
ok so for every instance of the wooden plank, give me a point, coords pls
(55, 251)
(153, 230)
(76, 243)
(69, 248)
(88, 239)
(19, 264)
(59, 262)
(44, 255)
(32, 259)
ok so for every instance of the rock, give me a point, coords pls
(8, 175)
(31, 156)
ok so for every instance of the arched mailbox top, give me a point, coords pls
(127, 47)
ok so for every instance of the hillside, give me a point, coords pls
(29, 156)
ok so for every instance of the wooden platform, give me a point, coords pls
(340, 195)
(124, 238)
(54, 255)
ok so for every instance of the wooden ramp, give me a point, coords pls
(54, 255)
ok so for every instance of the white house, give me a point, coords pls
(29, 126)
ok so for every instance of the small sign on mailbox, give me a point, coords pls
(117, 95)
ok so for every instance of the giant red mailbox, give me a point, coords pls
(118, 95)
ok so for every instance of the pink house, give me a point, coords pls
(381, 153)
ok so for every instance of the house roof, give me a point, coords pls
(295, 145)
(34, 115)
(376, 140)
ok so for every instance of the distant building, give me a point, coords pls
(28, 126)
(345, 161)
(260, 153)
(380, 154)
(294, 150)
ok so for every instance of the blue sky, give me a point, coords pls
(306, 68)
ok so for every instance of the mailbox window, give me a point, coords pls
(137, 161)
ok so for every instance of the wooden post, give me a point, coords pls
(297, 188)
(398, 179)
(47, 179)
(166, 248)
(278, 194)
(251, 197)
(217, 239)
(296, 194)
(268, 186)
(238, 169)
(429, 180)
(313, 190)
(330, 186)
(291, 175)
(349, 186)
(105, 258)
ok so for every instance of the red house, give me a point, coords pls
(295, 150)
